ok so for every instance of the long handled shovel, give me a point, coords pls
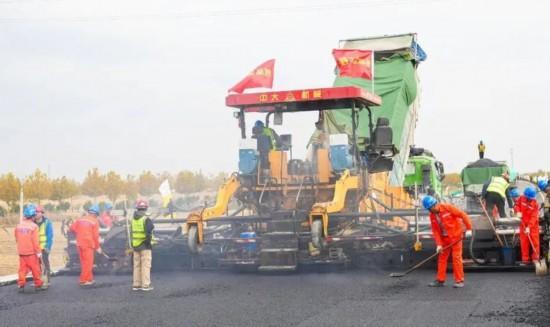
(491, 223)
(423, 262)
(540, 264)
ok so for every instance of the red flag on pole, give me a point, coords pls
(354, 63)
(261, 76)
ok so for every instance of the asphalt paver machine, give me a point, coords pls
(295, 212)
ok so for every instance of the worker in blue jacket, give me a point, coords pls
(45, 228)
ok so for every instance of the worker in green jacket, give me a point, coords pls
(481, 149)
(142, 242)
(45, 234)
(260, 129)
(496, 191)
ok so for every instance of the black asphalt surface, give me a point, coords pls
(353, 298)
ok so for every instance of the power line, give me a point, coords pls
(223, 13)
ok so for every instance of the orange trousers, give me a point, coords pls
(526, 245)
(456, 253)
(29, 263)
(86, 264)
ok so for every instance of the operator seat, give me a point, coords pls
(383, 134)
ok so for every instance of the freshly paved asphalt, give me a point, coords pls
(353, 298)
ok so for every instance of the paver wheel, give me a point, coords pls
(317, 233)
(193, 239)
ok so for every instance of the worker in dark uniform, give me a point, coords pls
(142, 239)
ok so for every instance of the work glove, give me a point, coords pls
(100, 251)
(527, 231)
(39, 255)
(438, 249)
(512, 213)
(468, 234)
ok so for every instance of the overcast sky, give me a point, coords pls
(134, 85)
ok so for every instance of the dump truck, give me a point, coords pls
(475, 175)
(424, 174)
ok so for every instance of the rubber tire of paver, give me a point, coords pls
(317, 233)
(192, 239)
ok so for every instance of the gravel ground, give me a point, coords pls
(353, 298)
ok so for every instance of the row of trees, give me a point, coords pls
(38, 186)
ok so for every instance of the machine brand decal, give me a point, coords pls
(317, 94)
(290, 97)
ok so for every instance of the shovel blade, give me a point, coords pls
(397, 275)
(540, 268)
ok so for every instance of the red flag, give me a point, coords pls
(354, 63)
(261, 76)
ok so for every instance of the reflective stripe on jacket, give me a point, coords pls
(87, 232)
(139, 234)
(451, 219)
(269, 132)
(498, 185)
(45, 231)
(529, 211)
(26, 236)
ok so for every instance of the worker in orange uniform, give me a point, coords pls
(528, 207)
(28, 248)
(86, 229)
(106, 219)
(448, 224)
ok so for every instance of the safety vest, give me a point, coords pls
(138, 231)
(481, 147)
(42, 238)
(498, 185)
(269, 132)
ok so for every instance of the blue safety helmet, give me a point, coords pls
(530, 192)
(543, 184)
(428, 202)
(29, 211)
(514, 192)
(107, 206)
(259, 123)
(94, 208)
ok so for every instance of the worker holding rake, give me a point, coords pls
(448, 224)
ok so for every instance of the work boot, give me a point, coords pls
(436, 283)
(88, 283)
(148, 288)
(458, 285)
(21, 289)
(41, 288)
(136, 288)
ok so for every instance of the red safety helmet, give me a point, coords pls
(142, 204)
(40, 209)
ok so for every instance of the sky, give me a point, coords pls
(134, 85)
